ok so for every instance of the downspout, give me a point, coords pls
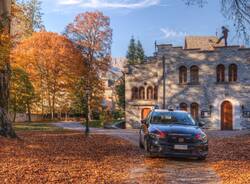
(164, 81)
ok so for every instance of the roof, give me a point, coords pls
(202, 42)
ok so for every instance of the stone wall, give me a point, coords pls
(207, 93)
(23, 117)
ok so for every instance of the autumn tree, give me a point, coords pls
(92, 34)
(33, 11)
(51, 60)
(20, 24)
(22, 93)
(5, 22)
(79, 101)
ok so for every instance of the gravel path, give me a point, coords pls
(172, 170)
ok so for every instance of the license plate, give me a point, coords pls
(180, 147)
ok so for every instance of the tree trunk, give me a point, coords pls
(53, 105)
(29, 112)
(5, 124)
(14, 117)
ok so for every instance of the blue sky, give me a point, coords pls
(166, 21)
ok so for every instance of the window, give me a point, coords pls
(150, 93)
(142, 93)
(195, 110)
(194, 75)
(220, 70)
(233, 70)
(156, 93)
(183, 75)
(134, 93)
(183, 107)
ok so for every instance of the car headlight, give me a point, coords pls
(158, 135)
(201, 137)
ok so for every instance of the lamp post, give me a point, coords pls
(164, 81)
(87, 91)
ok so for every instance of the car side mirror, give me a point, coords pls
(201, 124)
(143, 122)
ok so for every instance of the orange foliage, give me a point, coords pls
(92, 33)
(52, 62)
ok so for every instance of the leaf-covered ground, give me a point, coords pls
(230, 158)
(70, 157)
(66, 157)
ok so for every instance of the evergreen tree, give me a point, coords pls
(135, 54)
(120, 91)
(131, 54)
(140, 55)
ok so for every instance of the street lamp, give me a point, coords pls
(87, 91)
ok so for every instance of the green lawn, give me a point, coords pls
(38, 126)
(99, 123)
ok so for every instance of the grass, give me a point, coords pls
(48, 126)
(100, 123)
(38, 126)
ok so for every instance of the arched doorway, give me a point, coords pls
(144, 113)
(195, 110)
(226, 116)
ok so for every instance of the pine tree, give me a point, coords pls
(131, 54)
(140, 55)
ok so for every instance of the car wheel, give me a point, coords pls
(140, 143)
(202, 158)
(147, 151)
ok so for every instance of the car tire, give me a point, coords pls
(147, 151)
(140, 143)
(202, 158)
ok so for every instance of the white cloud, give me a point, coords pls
(128, 4)
(171, 33)
(69, 2)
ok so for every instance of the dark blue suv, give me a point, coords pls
(173, 133)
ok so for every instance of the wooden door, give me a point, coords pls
(195, 110)
(226, 116)
(144, 113)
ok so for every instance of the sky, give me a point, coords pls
(164, 21)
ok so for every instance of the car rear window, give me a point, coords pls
(172, 118)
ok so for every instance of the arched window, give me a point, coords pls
(194, 75)
(156, 93)
(220, 70)
(183, 75)
(195, 110)
(150, 93)
(142, 93)
(233, 70)
(135, 93)
(183, 107)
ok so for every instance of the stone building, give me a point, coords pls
(110, 80)
(212, 83)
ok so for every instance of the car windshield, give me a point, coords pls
(181, 118)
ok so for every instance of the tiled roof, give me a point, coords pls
(202, 42)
